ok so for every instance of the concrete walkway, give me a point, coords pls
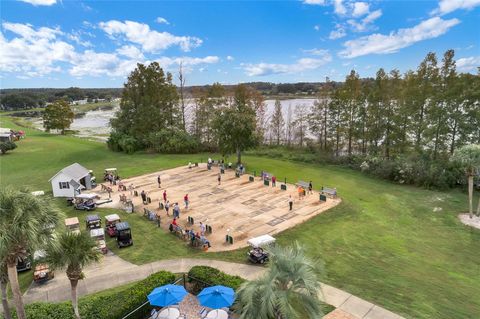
(114, 271)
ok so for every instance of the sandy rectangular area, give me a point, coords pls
(236, 207)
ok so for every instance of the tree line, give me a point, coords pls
(16, 99)
(419, 117)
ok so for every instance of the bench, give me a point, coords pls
(332, 192)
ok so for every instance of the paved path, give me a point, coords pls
(114, 271)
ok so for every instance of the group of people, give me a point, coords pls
(302, 191)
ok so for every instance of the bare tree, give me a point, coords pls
(181, 78)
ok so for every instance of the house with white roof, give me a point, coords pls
(70, 181)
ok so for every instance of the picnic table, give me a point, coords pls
(332, 192)
(168, 313)
(217, 314)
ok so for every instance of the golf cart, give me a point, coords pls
(124, 235)
(85, 202)
(93, 222)
(73, 225)
(99, 235)
(110, 224)
(258, 254)
(42, 272)
(24, 263)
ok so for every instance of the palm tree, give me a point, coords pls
(26, 223)
(3, 289)
(73, 252)
(288, 290)
(469, 157)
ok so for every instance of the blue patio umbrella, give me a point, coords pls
(167, 295)
(216, 297)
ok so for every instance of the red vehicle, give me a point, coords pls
(110, 224)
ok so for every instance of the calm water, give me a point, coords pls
(96, 124)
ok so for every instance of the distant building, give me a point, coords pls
(80, 102)
(70, 181)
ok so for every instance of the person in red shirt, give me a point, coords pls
(185, 199)
(274, 181)
(174, 222)
(165, 195)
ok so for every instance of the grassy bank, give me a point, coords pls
(398, 246)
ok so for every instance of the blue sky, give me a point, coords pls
(53, 43)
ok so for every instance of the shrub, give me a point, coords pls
(7, 146)
(213, 277)
(118, 142)
(171, 141)
(104, 305)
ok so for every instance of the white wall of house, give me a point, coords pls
(56, 188)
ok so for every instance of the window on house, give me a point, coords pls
(64, 185)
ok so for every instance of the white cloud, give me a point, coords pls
(40, 2)
(314, 2)
(468, 64)
(316, 27)
(339, 8)
(447, 6)
(168, 62)
(383, 44)
(338, 33)
(33, 52)
(162, 20)
(360, 9)
(230, 58)
(365, 23)
(150, 40)
(318, 52)
(300, 65)
(131, 51)
(39, 51)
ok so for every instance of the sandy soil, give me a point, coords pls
(236, 207)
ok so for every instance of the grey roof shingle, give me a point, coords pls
(74, 171)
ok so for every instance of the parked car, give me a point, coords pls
(42, 271)
(124, 235)
(111, 222)
(99, 235)
(93, 222)
(258, 254)
(24, 263)
(73, 225)
(85, 202)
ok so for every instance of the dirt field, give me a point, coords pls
(237, 207)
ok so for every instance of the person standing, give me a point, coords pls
(219, 178)
(290, 202)
(274, 181)
(159, 180)
(185, 199)
(310, 187)
(176, 211)
(165, 195)
(167, 207)
(144, 196)
(202, 229)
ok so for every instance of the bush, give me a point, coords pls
(104, 305)
(173, 141)
(213, 277)
(118, 142)
(7, 146)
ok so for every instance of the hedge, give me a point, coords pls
(104, 305)
(212, 277)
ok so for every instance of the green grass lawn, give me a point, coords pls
(384, 243)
